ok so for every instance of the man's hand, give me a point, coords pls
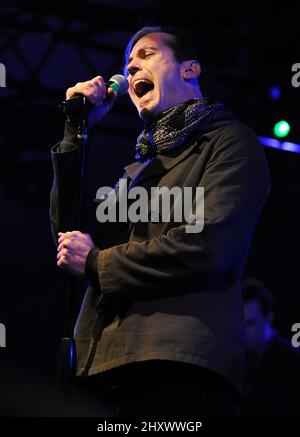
(72, 251)
(95, 91)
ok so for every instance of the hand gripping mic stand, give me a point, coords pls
(77, 109)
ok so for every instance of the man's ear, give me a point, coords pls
(190, 69)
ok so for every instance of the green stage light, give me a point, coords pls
(281, 129)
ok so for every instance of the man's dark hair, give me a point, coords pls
(255, 289)
(184, 44)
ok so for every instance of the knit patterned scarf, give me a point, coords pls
(174, 127)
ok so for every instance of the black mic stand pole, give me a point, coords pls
(75, 109)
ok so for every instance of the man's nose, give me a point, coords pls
(133, 67)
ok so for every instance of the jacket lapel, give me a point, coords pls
(159, 164)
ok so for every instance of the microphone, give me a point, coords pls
(78, 106)
(118, 83)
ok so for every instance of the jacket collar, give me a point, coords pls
(159, 164)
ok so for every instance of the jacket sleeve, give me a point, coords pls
(236, 184)
(64, 196)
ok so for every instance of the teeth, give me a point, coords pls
(137, 82)
(142, 80)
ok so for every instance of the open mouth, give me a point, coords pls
(142, 87)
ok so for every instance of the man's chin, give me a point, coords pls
(148, 112)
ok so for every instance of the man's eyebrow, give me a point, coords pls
(146, 47)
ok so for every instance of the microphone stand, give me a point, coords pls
(77, 109)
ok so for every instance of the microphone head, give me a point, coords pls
(119, 84)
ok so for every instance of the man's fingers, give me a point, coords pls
(64, 244)
(61, 261)
(63, 235)
(66, 238)
(62, 238)
(93, 89)
(68, 234)
(98, 81)
(61, 253)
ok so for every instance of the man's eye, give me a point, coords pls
(146, 55)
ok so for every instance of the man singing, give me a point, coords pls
(161, 328)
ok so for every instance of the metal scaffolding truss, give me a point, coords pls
(49, 45)
(31, 35)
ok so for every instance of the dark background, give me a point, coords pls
(49, 46)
